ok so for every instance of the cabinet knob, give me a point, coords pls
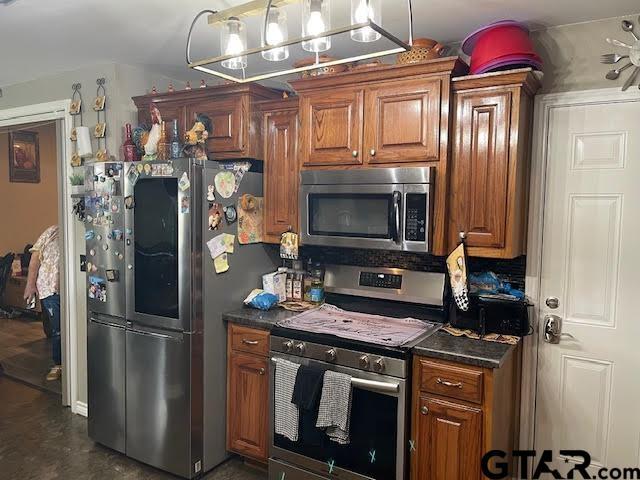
(373, 152)
(462, 235)
(262, 371)
(354, 153)
(424, 410)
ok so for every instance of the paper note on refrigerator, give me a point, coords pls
(217, 245)
(229, 241)
(221, 263)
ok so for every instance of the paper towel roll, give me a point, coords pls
(84, 142)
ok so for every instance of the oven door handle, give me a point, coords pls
(372, 385)
(397, 196)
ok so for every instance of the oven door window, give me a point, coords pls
(156, 246)
(373, 433)
(367, 215)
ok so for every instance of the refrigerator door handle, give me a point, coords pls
(106, 323)
(154, 334)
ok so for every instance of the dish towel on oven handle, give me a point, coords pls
(286, 413)
(334, 412)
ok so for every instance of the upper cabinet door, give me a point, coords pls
(169, 111)
(331, 127)
(227, 135)
(402, 122)
(281, 174)
(481, 166)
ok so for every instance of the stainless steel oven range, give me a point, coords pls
(378, 208)
(379, 422)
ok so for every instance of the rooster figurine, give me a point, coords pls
(195, 140)
(147, 140)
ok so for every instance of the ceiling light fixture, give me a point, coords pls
(316, 32)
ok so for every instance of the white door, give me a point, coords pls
(588, 391)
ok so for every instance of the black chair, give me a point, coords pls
(5, 274)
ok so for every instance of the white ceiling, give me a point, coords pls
(39, 38)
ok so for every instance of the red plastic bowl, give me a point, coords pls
(500, 42)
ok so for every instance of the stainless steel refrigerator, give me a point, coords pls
(156, 340)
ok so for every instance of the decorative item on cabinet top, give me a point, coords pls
(239, 60)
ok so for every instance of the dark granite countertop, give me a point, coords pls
(480, 353)
(251, 317)
(442, 345)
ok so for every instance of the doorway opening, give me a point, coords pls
(30, 328)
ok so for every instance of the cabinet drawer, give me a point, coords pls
(451, 381)
(249, 340)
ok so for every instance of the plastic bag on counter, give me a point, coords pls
(261, 300)
(488, 283)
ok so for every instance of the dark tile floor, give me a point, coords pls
(41, 440)
(25, 352)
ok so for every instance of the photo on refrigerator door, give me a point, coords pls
(98, 289)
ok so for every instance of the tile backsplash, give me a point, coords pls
(512, 271)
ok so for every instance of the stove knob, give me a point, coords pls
(364, 361)
(300, 348)
(379, 365)
(331, 354)
(288, 345)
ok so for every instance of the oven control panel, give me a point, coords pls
(381, 280)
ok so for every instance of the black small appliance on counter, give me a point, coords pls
(492, 314)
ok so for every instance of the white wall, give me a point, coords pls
(122, 82)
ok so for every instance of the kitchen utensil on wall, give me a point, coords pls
(627, 26)
(422, 49)
(612, 58)
(633, 53)
(614, 74)
(501, 45)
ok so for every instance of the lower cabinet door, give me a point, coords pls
(158, 400)
(448, 441)
(247, 405)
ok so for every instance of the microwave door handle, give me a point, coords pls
(396, 216)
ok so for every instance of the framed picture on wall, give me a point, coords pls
(24, 157)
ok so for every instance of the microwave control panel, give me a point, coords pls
(380, 280)
(416, 220)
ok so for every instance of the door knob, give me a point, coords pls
(552, 302)
(553, 329)
(355, 154)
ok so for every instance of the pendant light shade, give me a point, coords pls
(233, 40)
(361, 12)
(316, 19)
(275, 32)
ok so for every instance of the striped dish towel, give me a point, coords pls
(286, 413)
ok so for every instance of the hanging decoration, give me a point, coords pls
(315, 36)
(630, 55)
(100, 130)
(81, 141)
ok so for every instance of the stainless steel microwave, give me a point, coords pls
(377, 208)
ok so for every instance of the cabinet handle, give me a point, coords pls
(373, 152)
(424, 410)
(261, 371)
(249, 342)
(462, 235)
(355, 154)
(447, 383)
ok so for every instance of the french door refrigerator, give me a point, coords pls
(174, 345)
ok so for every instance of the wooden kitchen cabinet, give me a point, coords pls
(332, 127)
(459, 413)
(236, 121)
(490, 162)
(248, 392)
(402, 122)
(281, 168)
